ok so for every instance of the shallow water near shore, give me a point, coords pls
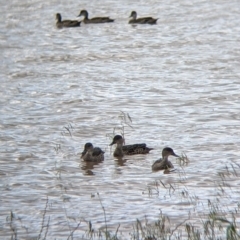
(179, 82)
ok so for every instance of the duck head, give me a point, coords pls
(133, 15)
(88, 146)
(118, 139)
(58, 17)
(167, 151)
(83, 13)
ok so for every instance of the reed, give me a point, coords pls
(216, 225)
(125, 122)
(183, 160)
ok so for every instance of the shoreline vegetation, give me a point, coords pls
(215, 222)
(215, 225)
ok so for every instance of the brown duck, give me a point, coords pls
(84, 13)
(163, 163)
(144, 20)
(66, 23)
(132, 149)
(92, 154)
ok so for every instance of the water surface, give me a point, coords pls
(179, 82)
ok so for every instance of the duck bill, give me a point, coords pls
(112, 143)
(175, 155)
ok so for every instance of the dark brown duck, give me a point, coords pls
(132, 149)
(163, 163)
(84, 13)
(144, 20)
(66, 23)
(92, 154)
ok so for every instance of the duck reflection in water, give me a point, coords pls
(120, 161)
(88, 167)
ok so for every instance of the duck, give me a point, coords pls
(66, 23)
(118, 152)
(132, 149)
(144, 20)
(84, 13)
(92, 154)
(163, 163)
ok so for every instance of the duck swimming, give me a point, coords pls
(92, 154)
(164, 163)
(66, 23)
(128, 149)
(144, 20)
(118, 152)
(84, 13)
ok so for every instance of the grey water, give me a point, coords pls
(178, 80)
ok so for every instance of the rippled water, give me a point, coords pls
(179, 82)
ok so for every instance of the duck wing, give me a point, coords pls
(140, 148)
(147, 20)
(101, 19)
(71, 23)
(97, 151)
(162, 164)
